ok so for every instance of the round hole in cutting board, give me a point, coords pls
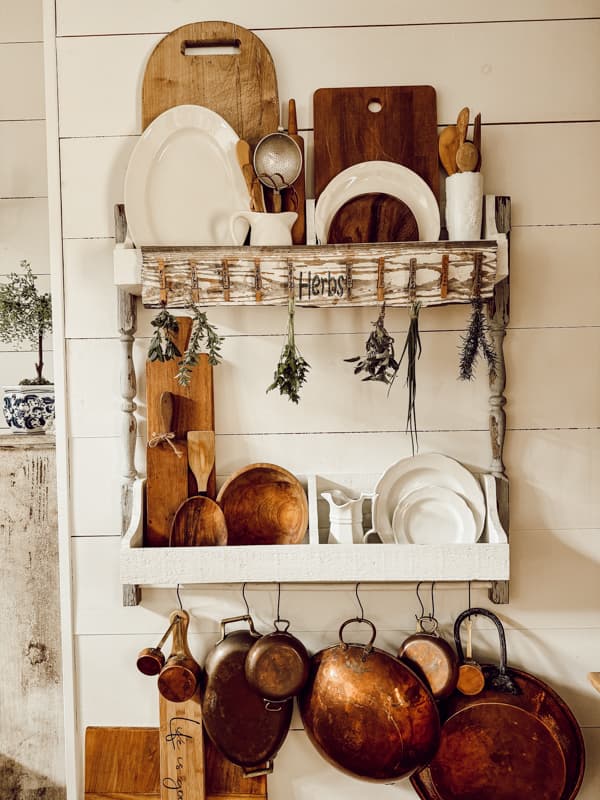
(373, 218)
(374, 105)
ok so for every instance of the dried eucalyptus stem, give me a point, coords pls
(292, 368)
(412, 349)
(202, 331)
(162, 347)
(379, 361)
(475, 341)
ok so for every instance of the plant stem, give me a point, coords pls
(40, 365)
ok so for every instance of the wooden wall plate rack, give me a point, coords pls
(433, 273)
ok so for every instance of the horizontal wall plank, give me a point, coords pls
(106, 101)
(561, 657)
(85, 17)
(21, 81)
(554, 474)
(544, 364)
(516, 163)
(23, 166)
(21, 21)
(24, 234)
(568, 560)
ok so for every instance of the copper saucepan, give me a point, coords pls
(277, 664)
(431, 657)
(367, 713)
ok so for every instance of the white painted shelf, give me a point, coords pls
(315, 561)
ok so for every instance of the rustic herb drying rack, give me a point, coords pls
(434, 273)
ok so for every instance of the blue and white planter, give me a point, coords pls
(29, 409)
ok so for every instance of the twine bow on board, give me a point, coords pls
(157, 438)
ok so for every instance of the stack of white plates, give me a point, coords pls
(428, 499)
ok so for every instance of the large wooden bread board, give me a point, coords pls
(241, 87)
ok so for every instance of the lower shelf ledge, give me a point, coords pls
(313, 564)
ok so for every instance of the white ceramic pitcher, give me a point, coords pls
(267, 229)
(345, 516)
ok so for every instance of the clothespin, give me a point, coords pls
(290, 278)
(225, 279)
(476, 284)
(349, 280)
(162, 276)
(412, 281)
(257, 281)
(195, 290)
(380, 280)
(444, 276)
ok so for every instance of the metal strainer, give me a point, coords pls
(277, 163)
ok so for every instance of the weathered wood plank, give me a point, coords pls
(330, 275)
(31, 733)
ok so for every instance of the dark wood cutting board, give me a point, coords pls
(193, 411)
(241, 86)
(347, 131)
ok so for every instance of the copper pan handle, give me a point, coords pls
(242, 618)
(369, 645)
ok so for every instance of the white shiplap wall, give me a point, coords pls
(23, 182)
(532, 69)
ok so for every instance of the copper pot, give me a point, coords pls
(367, 713)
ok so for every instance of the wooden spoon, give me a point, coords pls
(467, 157)
(477, 138)
(447, 146)
(254, 186)
(199, 521)
(462, 123)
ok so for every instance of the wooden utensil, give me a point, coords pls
(296, 200)
(447, 147)
(241, 86)
(178, 679)
(467, 157)
(462, 123)
(124, 764)
(166, 473)
(264, 504)
(193, 407)
(477, 138)
(255, 189)
(199, 521)
(390, 123)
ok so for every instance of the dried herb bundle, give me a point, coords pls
(476, 341)
(380, 364)
(379, 361)
(201, 330)
(292, 368)
(162, 347)
(412, 349)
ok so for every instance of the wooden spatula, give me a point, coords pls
(199, 520)
(254, 186)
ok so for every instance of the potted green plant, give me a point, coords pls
(26, 316)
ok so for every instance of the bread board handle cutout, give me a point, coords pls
(217, 47)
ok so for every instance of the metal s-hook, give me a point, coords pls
(360, 605)
(245, 600)
(179, 597)
(278, 602)
(431, 615)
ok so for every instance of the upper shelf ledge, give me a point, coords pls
(434, 273)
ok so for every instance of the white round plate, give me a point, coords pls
(379, 177)
(183, 182)
(433, 515)
(426, 469)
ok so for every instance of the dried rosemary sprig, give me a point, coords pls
(476, 341)
(201, 330)
(162, 347)
(379, 361)
(292, 368)
(412, 349)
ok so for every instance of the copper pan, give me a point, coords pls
(514, 740)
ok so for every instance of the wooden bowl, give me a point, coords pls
(264, 504)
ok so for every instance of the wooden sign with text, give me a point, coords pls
(181, 750)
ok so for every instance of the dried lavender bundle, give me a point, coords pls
(475, 342)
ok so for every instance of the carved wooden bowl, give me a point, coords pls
(264, 504)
